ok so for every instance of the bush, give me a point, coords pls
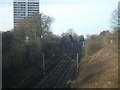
(96, 42)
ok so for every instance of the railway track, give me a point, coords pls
(38, 74)
(58, 77)
(66, 77)
(63, 77)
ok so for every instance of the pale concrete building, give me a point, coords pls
(24, 8)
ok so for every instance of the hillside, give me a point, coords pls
(99, 70)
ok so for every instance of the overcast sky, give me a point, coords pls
(83, 16)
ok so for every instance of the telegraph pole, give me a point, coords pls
(43, 65)
(27, 40)
(86, 51)
(77, 61)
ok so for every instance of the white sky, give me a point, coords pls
(84, 16)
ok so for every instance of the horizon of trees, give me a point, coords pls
(22, 60)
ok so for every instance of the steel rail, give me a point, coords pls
(70, 71)
(55, 69)
(62, 77)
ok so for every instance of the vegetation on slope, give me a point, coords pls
(99, 69)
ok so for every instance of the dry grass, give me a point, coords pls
(99, 70)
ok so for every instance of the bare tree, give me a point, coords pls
(35, 27)
(115, 20)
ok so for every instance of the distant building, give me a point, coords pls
(24, 8)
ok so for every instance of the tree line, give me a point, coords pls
(20, 59)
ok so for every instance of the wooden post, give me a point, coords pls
(77, 61)
(43, 65)
(86, 52)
